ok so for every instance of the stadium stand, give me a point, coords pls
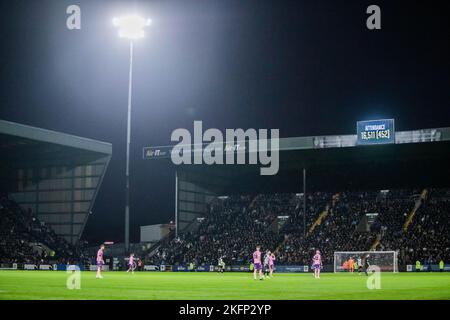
(235, 225)
(335, 222)
(427, 238)
(232, 229)
(26, 239)
(48, 184)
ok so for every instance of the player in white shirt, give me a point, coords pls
(360, 265)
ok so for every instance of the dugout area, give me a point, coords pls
(55, 175)
(418, 158)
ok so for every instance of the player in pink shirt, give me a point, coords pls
(257, 263)
(131, 263)
(100, 261)
(271, 264)
(317, 262)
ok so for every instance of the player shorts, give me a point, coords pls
(258, 266)
(316, 266)
(99, 264)
(271, 266)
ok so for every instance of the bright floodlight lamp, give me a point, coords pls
(131, 27)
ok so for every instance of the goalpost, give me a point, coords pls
(386, 260)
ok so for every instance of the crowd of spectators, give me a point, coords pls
(232, 229)
(347, 225)
(26, 239)
(428, 236)
(235, 225)
(351, 221)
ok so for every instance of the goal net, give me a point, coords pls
(385, 260)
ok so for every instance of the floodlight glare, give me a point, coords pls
(131, 27)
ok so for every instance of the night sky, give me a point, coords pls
(305, 67)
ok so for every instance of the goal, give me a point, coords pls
(385, 260)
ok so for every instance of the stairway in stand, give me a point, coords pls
(417, 205)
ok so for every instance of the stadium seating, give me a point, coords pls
(334, 222)
(25, 239)
(428, 236)
(235, 225)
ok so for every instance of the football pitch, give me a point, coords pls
(35, 285)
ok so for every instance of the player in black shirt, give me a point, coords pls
(366, 264)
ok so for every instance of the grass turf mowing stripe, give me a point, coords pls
(204, 285)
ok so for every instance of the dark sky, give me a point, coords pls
(305, 67)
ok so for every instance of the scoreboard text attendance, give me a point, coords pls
(375, 131)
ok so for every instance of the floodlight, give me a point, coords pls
(132, 26)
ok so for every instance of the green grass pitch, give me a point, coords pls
(173, 286)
